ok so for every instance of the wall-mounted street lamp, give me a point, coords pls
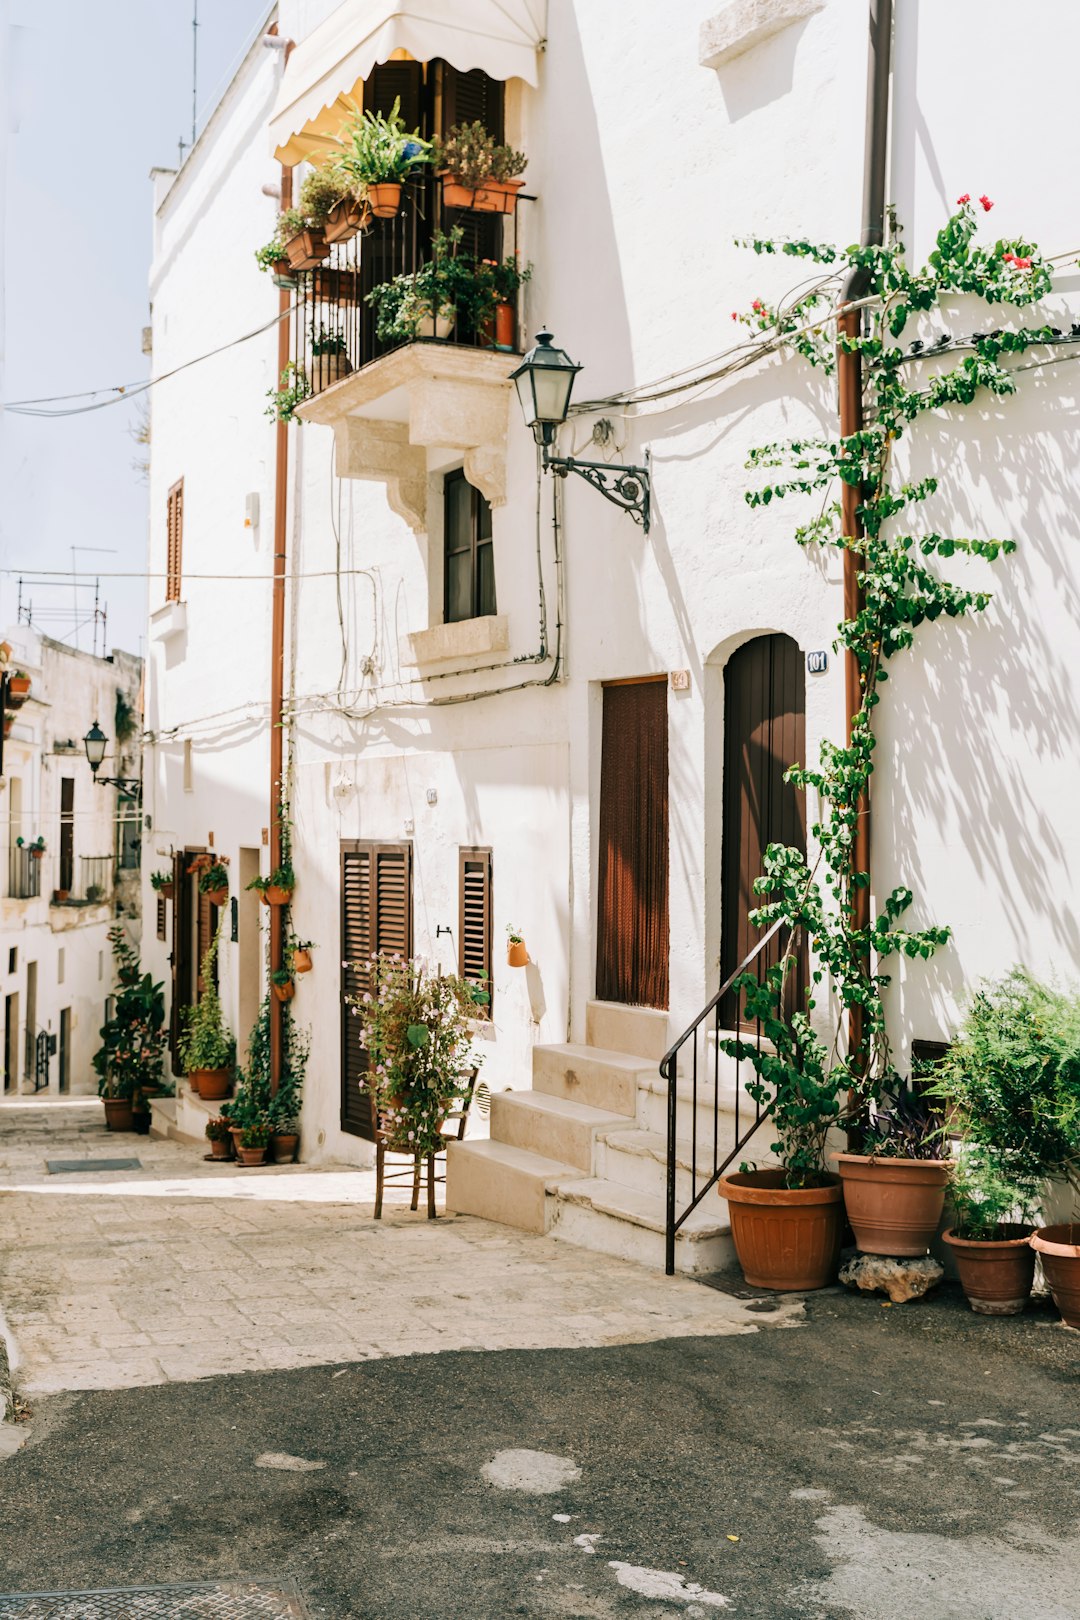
(95, 743)
(545, 381)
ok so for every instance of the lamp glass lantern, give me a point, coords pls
(544, 382)
(95, 743)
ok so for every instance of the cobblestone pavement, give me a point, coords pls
(182, 1269)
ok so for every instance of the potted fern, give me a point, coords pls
(207, 1049)
(377, 155)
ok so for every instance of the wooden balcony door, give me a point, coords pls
(376, 915)
(632, 932)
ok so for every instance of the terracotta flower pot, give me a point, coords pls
(493, 197)
(1058, 1247)
(517, 954)
(9, 721)
(283, 1147)
(384, 198)
(504, 325)
(166, 891)
(193, 1080)
(894, 1205)
(306, 249)
(236, 1131)
(348, 216)
(213, 1084)
(301, 961)
(250, 1155)
(995, 1273)
(785, 1238)
(118, 1114)
(276, 896)
(284, 992)
(37, 854)
(221, 1150)
(217, 897)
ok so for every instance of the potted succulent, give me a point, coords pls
(207, 1050)
(253, 1142)
(1011, 1083)
(163, 883)
(990, 1234)
(330, 362)
(282, 981)
(894, 1191)
(477, 171)
(18, 689)
(516, 953)
(301, 955)
(787, 1219)
(219, 1135)
(129, 1059)
(277, 889)
(417, 1030)
(377, 155)
(294, 389)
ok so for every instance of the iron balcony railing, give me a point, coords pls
(701, 1076)
(95, 878)
(24, 874)
(335, 321)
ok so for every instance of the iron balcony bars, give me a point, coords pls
(24, 873)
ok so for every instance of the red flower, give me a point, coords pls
(966, 198)
(734, 314)
(986, 203)
(1022, 264)
(1010, 258)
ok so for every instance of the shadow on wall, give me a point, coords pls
(762, 75)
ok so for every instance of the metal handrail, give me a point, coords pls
(669, 1071)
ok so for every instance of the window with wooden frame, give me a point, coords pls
(470, 557)
(474, 923)
(174, 542)
(376, 915)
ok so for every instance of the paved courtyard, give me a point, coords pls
(183, 1269)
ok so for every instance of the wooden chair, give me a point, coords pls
(453, 1130)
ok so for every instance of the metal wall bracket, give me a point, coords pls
(629, 488)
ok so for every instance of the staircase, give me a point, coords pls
(583, 1155)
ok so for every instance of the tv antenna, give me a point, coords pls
(185, 146)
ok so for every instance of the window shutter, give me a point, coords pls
(206, 913)
(474, 922)
(174, 528)
(180, 957)
(161, 916)
(472, 97)
(356, 946)
(403, 81)
(393, 898)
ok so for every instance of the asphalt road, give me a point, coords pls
(912, 1462)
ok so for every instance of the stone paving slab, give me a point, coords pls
(182, 1270)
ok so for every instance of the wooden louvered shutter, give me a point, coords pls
(397, 81)
(174, 530)
(180, 960)
(357, 944)
(207, 914)
(160, 904)
(474, 922)
(393, 898)
(469, 98)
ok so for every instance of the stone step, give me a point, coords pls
(638, 1159)
(598, 1077)
(620, 1221)
(652, 1107)
(551, 1126)
(503, 1183)
(642, 1031)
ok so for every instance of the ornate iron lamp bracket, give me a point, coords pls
(629, 488)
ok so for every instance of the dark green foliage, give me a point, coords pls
(133, 1042)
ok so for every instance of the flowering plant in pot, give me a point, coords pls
(213, 875)
(477, 171)
(416, 1029)
(219, 1135)
(207, 1049)
(253, 1141)
(129, 1059)
(377, 155)
(445, 292)
(498, 285)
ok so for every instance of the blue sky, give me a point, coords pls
(94, 97)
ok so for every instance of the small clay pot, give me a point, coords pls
(1058, 1247)
(894, 1205)
(517, 954)
(217, 897)
(284, 992)
(250, 1155)
(995, 1273)
(384, 198)
(301, 961)
(214, 1085)
(283, 1147)
(221, 1150)
(785, 1238)
(166, 891)
(118, 1114)
(276, 896)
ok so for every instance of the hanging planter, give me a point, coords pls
(307, 249)
(301, 959)
(477, 171)
(18, 690)
(348, 216)
(282, 985)
(517, 954)
(493, 197)
(384, 198)
(277, 889)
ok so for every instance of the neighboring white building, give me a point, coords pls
(59, 902)
(448, 768)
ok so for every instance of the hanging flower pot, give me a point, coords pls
(36, 853)
(517, 954)
(306, 249)
(348, 216)
(275, 895)
(284, 991)
(217, 897)
(301, 960)
(384, 198)
(18, 690)
(492, 197)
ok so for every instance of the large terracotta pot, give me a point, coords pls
(785, 1238)
(283, 1147)
(995, 1273)
(212, 1085)
(118, 1114)
(1058, 1247)
(894, 1205)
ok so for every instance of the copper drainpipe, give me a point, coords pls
(277, 654)
(849, 381)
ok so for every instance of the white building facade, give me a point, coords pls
(71, 855)
(556, 751)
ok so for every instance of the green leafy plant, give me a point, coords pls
(217, 1130)
(321, 189)
(281, 976)
(471, 156)
(252, 1097)
(206, 1042)
(162, 879)
(294, 389)
(129, 1059)
(328, 340)
(902, 589)
(282, 877)
(125, 717)
(1011, 1079)
(375, 148)
(450, 281)
(255, 1133)
(94, 893)
(506, 278)
(415, 1029)
(985, 1201)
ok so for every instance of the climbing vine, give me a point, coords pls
(807, 1084)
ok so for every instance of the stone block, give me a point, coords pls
(904, 1279)
(741, 24)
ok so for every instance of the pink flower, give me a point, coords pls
(734, 314)
(966, 198)
(986, 203)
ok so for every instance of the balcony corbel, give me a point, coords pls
(424, 396)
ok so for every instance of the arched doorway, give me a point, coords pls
(764, 733)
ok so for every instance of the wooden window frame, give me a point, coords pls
(475, 855)
(66, 866)
(476, 609)
(351, 1119)
(174, 542)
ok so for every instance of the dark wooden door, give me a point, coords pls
(764, 733)
(376, 915)
(182, 962)
(632, 913)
